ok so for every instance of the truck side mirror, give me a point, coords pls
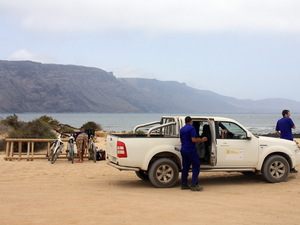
(249, 136)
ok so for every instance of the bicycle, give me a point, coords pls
(92, 149)
(70, 150)
(55, 148)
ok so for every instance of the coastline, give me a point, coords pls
(118, 122)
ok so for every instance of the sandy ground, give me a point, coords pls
(37, 192)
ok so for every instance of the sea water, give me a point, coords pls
(256, 123)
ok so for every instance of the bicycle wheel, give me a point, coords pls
(92, 153)
(71, 152)
(55, 155)
(95, 154)
(52, 147)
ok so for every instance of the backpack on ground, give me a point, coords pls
(100, 155)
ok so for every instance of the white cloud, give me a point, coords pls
(23, 54)
(157, 16)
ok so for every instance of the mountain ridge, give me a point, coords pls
(28, 86)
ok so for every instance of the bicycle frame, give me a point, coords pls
(92, 149)
(71, 143)
(71, 147)
(56, 149)
(58, 143)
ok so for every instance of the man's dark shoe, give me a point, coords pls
(185, 187)
(196, 188)
(293, 170)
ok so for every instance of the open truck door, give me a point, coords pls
(207, 151)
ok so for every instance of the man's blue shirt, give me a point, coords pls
(186, 134)
(284, 125)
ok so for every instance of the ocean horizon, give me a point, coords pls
(256, 123)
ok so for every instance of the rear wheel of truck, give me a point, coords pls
(163, 173)
(276, 169)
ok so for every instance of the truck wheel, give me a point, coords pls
(276, 169)
(163, 173)
(142, 175)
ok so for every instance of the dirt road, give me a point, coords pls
(37, 192)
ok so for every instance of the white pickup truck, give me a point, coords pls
(154, 154)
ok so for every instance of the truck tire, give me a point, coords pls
(276, 169)
(142, 175)
(163, 173)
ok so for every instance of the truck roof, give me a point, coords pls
(217, 118)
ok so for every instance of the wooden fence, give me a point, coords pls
(17, 153)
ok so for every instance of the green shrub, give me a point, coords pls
(3, 128)
(34, 129)
(66, 129)
(49, 120)
(12, 121)
(140, 132)
(2, 144)
(91, 126)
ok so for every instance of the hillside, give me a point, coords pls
(35, 87)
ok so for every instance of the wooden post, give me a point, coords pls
(32, 150)
(7, 148)
(28, 150)
(48, 149)
(19, 149)
(11, 149)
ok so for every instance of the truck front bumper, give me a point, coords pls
(123, 167)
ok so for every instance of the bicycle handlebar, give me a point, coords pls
(67, 134)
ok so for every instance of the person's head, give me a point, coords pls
(286, 113)
(188, 119)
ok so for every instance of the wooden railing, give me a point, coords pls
(30, 154)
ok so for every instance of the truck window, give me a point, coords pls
(229, 130)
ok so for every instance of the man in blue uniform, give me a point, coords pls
(284, 129)
(189, 155)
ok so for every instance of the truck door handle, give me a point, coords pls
(225, 144)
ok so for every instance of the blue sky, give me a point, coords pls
(248, 49)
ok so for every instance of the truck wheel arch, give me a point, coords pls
(264, 157)
(167, 155)
(157, 153)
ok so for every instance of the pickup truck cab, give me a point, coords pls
(153, 150)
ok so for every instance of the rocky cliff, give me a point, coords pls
(35, 87)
